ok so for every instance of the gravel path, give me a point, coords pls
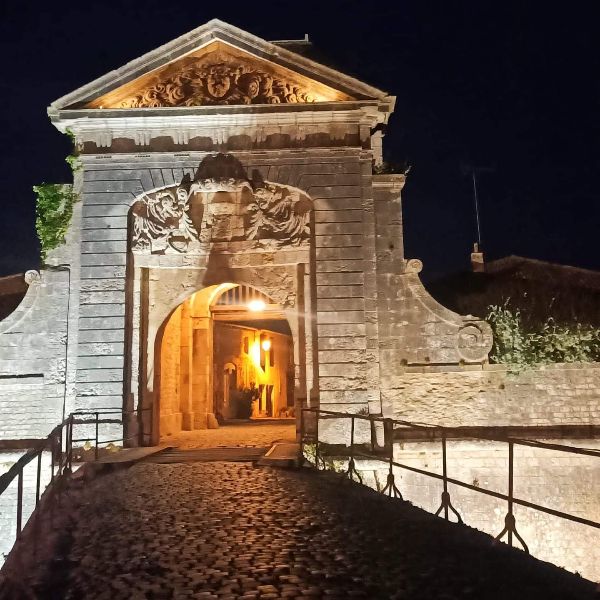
(231, 530)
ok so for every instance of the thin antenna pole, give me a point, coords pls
(476, 199)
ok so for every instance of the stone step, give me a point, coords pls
(284, 454)
(236, 454)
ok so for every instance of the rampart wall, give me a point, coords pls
(550, 395)
(562, 481)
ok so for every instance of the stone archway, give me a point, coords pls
(222, 329)
(217, 228)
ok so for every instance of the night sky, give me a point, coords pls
(502, 85)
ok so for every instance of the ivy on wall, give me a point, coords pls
(54, 209)
(54, 205)
(550, 343)
(73, 159)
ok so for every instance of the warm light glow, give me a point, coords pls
(266, 345)
(255, 352)
(256, 305)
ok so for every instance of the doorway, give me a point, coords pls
(225, 370)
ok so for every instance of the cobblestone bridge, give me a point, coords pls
(224, 530)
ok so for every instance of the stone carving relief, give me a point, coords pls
(277, 213)
(455, 337)
(474, 341)
(160, 221)
(222, 79)
(220, 204)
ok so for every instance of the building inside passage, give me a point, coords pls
(226, 351)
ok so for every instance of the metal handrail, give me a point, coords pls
(446, 506)
(60, 442)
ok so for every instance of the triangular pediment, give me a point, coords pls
(218, 74)
(217, 64)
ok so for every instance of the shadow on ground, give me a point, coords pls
(232, 530)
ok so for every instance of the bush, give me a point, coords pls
(54, 209)
(242, 401)
(551, 343)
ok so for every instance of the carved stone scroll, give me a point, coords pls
(219, 77)
(220, 205)
(276, 212)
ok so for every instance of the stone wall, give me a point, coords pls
(170, 376)
(8, 500)
(33, 358)
(563, 394)
(343, 283)
(38, 343)
(566, 482)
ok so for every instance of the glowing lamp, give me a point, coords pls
(266, 345)
(256, 305)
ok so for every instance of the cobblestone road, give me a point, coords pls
(259, 433)
(231, 530)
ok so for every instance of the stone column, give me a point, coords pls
(201, 371)
(185, 369)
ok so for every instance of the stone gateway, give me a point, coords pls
(234, 251)
(222, 162)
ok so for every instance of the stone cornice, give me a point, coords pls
(165, 159)
(181, 125)
(393, 182)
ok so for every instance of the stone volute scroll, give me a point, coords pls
(220, 204)
(446, 337)
(34, 281)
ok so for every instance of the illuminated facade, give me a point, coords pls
(222, 169)
(221, 161)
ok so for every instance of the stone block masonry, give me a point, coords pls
(562, 481)
(279, 195)
(33, 356)
(491, 396)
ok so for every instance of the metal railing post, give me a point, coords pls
(351, 472)
(445, 475)
(446, 503)
(317, 415)
(510, 524)
(388, 441)
(38, 478)
(52, 453)
(58, 441)
(96, 440)
(19, 502)
(510, 514)
(70, 444)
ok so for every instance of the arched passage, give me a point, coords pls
(216, 229)
(223, 355)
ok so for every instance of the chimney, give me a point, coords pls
(477, 264)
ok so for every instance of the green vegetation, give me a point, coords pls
(388, 168)
(549, 343)
(54, 209)
(73, 159)
(327, 463)
(54, 206)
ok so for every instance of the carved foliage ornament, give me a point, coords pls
(201, 84)
(219, 205)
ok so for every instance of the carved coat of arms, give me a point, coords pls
(219, 205)
(218, 79)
